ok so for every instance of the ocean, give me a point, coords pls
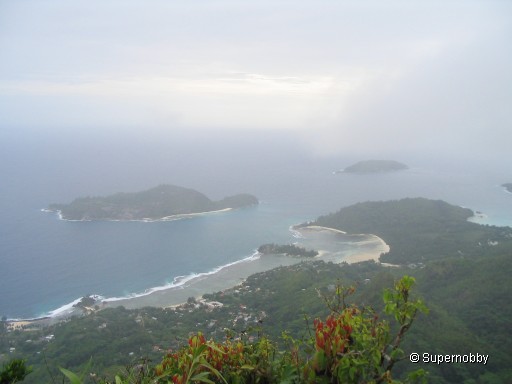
(47, 263)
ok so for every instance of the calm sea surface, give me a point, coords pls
(46, 263)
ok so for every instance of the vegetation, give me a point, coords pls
(468, 296)
(353, 344)
(155, 203)
(288, 249)
(373, 166)
(86, 302)
(14, 371)
(470, 311)
(468, 301)
(418, 230)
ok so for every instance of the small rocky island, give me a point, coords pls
(374, 166)
(162, 202)
(508, 187)
(288, 250)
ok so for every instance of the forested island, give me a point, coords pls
(157, 203)
(374, 166)
(286, 249)
(508, 187)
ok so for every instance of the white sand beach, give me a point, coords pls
(338, 246)
(333, 246)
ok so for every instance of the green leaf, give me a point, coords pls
(320, 360)
(202, 377)
(418, 376)
(352, 373)
(73, 377)
(376, 358)
(397, 354)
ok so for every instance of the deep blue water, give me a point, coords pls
(47, 263)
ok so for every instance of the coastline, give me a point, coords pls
(320, 228)
(179, 216)
(332, 244)
(363, 247)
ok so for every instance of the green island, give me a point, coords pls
(508, 187)
(286, 249)
(161, 202)
(312, 322)
(374, 166)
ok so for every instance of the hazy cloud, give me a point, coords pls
(341, 75)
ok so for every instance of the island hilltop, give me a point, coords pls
(164, 201)
(374, 166)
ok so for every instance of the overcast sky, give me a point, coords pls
(337, 74)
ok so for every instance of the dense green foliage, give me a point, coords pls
(468, 296)
(468, 301)
(117, 337)
(471, 311)
(418, 230)
(353, 344)
(372, 166)
(286, 249)
(14, 371)
(155, 203)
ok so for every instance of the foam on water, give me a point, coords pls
(178, 282)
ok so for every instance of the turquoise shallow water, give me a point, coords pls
(47, 263)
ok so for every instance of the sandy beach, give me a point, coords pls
(333, 246)
(226, 278)
(337, 246)
(31, 324)
(19, 325)
(145, 220)
(188, 215)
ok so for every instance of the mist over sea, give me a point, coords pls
(46, 263)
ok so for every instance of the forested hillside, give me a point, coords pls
(467, 293)
(468, 301)
(419, 230)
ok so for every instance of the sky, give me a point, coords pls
(410, 76)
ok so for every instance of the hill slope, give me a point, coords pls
(418, 229)
(375, 166)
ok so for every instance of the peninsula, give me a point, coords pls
(418, 230)
(162, 202)
(374, 166)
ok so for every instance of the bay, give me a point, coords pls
(48, 263)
